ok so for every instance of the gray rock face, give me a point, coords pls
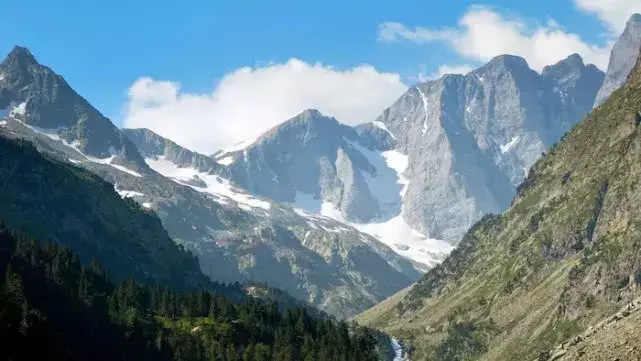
(314, 155)
(622, 59)
(471, 139)
(47, 101)
(150, 144)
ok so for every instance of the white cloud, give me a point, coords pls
(614, 13)
(482, 34)
(445, 69)
(248, 101)
(391, 31)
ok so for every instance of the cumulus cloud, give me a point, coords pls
(445, 69)
(248, 101)
(482, 34)
(614, 13)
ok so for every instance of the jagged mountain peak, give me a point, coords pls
(307, 125)
(507, 61)
(48, 102)
(572, 68)
(310, 113)
(21, 56)
(312, 116)
(20, 69)
(479, 133)
(572, 61)
(635, 20)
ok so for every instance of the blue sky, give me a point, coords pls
(102, 48)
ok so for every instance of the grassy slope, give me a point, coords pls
(566, 254)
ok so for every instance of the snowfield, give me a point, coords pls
(219, 187)
(389, 186)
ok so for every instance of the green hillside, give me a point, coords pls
(53, 308)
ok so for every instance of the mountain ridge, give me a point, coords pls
(622, 59)
(42, 95)
(462, 152)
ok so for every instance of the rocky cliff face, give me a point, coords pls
(622, 59)
(471, 139)
(447, 152)
(151, 145)
(350, 174)
(312, 156)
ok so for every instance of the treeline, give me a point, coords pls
(54, 308)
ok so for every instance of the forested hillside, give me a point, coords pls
(53, 308)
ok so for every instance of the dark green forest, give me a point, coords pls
(54, 308)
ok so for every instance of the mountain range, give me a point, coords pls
(237, 236)
(341, 217)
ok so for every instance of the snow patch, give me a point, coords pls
(408, 242)
(106, 161)
(54, 134)
(507, 147)
(20, 109)
(384, 182)
(126, 170)
(399, 162)
(323, 222)
(391, 228)
(223, 153)
(128, 194)
(328, 209)
(217, 186)
(424, 99)
(389, 185)
(481, 78)
(395, 233)
(225, 160)
(146, 205)
(381, 125)
(3, 123)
